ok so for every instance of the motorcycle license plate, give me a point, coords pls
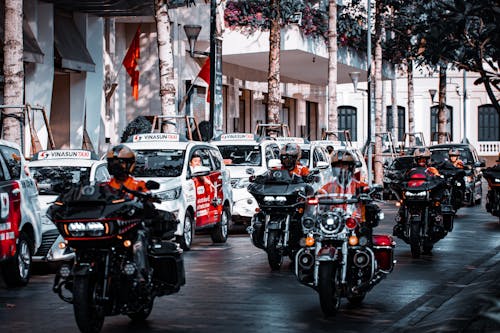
(415, 218)
(274, 225)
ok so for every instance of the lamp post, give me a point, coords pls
(192, 32)
(432, 93)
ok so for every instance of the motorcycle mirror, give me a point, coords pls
(152, 185)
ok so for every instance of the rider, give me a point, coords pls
(454, 159)
(422, 157)
(121, 163)
(290, 160)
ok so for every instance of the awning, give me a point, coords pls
(70, 49)
(32, 51)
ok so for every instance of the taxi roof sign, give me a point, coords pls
(237, 137)
(287, 139)
(76, 154)
(156, 137)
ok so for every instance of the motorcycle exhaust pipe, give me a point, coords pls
(305, 260)
(361, 259)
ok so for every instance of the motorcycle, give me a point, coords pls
(101, 225)
(426, 211)
(276, 227)
(455, 178)
(340, 256)
(492, 176)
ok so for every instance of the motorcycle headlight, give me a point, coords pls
(172, 194)
(419, 195)
(278, 199)
(331, 222)
(242, 183)
(497, 180)
(89, 229)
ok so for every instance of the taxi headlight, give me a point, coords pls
(242, 183)
(172, 194)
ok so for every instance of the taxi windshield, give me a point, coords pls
(48, 176)
(241, 155)
(159, 163)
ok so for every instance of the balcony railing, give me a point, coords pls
(488, 148)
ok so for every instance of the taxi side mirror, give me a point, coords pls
(322, 165)
(200, 171)
(274, 163)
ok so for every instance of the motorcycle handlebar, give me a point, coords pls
(148, 196)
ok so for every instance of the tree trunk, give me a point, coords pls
(332, 67)
(273, 79)
(378, 165)
(13, 71)
(442, 116)
(411, 102)
(165, 59)
(394, 108)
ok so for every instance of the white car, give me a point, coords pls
(201, 198)
(56, 168)
(20, 217)
(245, 155)
(314, 156)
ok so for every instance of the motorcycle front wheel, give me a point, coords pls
(329, 288)
(274, 256)
(415, 240)
(88, 317)
(144, 313)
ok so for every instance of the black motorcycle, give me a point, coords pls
(101, 225)
(426, 214)
(492, 175)
(340, 256)
(276, 228)
(455, 178)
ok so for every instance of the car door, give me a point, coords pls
(9, 226)
(206, 191)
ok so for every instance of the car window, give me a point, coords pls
(101, 173)
(205, 157)
(3, 175)
(13, 160)
(242, 155)
(319, 155)
(159, 163)
(217, 158)
(441, 155)
(304, 157)
(48, 176)
(276, 151)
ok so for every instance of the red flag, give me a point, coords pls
(204, 74)
(130, 63)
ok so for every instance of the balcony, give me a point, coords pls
(488, 148)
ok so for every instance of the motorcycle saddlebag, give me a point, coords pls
(383, 247)
(167, 264)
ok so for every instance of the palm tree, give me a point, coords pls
(165, 58)
(273, 79)
(332, 66)
(13, 69)
(379, 23)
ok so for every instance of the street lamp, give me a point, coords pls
(432, 92)
(192, 32)
(355, 79)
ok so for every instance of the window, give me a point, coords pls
(401, 121)
(347, 120)
(101, 174)
(488, 120)
(13, 160)
(434, 121)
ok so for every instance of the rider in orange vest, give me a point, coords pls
(290, 160)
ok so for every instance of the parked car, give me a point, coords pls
(244, 154)
(20, 217)
(200, 199)
(472, 166)
(53, 170)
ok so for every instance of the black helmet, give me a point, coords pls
(121, 161)
(289, 155)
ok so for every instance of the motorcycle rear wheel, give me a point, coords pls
(415, 240)
(88, 318)
(274, 256)
(328, 288)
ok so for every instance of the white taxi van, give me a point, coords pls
(20, 217)
(199, 197)
(314, 156)
(244, 154)
(59, 168)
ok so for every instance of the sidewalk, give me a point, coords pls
(462, 306)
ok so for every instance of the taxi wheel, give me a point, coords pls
(219, 233)
(186, 239)
(17, 271)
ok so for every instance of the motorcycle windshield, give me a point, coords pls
(90, 201)
(419, 179)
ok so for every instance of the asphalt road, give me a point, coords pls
(230, 288)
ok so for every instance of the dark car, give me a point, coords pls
(394, 171)
(472, 167)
